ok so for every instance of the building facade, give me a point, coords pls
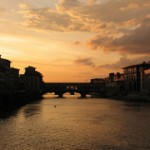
(31, 80)
(134, 76)
(9, 77)
(97, 81)
(146, 80)
(115, 84)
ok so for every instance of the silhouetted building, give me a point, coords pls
(97, 81)
(9, 77)
(115, 84)
(97, 84)
(31, 80)
(146, 80)
(134, 76)
(4, 63)
(111, 77)
(120, 82)
(14, 79)
(4, 73)
(118, 76)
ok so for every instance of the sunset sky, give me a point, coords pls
(74, 40)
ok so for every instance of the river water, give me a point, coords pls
(72, 123)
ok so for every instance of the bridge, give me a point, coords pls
(82, 88)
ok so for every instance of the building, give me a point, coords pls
(146, 80)
(97, 81)
(134, 76)
(97, 86)
(4, 73)
(31, 80)
(115, 84)
(14, 79)
(111, 77)
(9, 77)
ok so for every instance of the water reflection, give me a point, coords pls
(137, 106)
(133, 107)
(89, 124)
(32, 110)
(65, 95)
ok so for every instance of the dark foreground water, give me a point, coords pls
(77, 124)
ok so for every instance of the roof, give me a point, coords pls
(30, 67)
(144, 64)
(15, 69)
(4, 60)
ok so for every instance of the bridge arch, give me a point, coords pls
(60, 88)
(62, 93)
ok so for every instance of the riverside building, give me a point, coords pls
(9, 77)
(31, 80)
(134, 76)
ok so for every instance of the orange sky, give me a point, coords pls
(74, 40)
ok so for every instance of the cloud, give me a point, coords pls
(135, 42)
(77, 43)
(45, 18)
(78, 16)
(85, 62)
(109, 11)
(24, 6)
(2, 10)
(121, 26)
(125, 61)
(69, 4)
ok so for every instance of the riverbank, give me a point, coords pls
(14, 100)
(131, 96)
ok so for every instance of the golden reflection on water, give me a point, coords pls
(72, 123)
(65, 95)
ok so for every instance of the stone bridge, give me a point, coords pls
(82, 88)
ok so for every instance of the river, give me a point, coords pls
(72, 123)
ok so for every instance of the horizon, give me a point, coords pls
(148, 62)
(74, 41)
